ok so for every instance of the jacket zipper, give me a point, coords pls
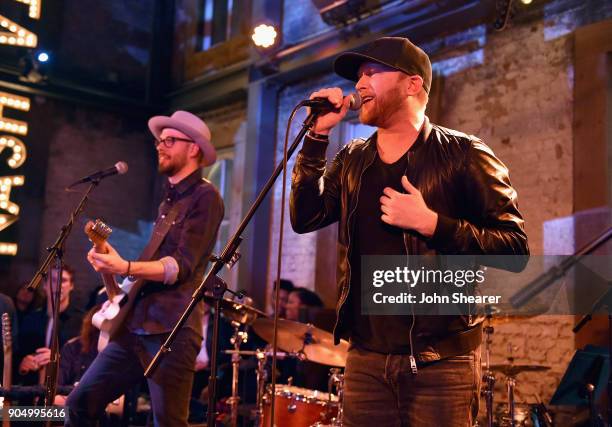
(413, 364)
(344, 295)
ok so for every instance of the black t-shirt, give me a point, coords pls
(372, 236)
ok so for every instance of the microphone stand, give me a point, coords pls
(547, 278)
(218, 287)
(605, 300)
(56, 253)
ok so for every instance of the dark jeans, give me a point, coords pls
(121, 365)
(381, 390)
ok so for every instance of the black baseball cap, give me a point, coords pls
(395, 52)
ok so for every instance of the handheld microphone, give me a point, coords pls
(119, 168)
(323, 104)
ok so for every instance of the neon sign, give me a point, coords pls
(13, 34)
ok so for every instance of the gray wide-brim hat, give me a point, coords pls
(192, 126)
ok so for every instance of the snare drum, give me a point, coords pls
(299, 407)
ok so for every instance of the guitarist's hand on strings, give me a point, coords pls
(28, 363)
(43, 356)
(35, 361)
(110, 262)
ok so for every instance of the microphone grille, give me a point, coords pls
(122, 167)
(355, 103)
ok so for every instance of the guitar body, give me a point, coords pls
(114, 311)
(120, 298)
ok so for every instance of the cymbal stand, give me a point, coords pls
(510, 387)
(262, 376)
(336, 379)
(488, 377)
(511, 384)
(239, 337)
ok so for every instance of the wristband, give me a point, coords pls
(318, 136)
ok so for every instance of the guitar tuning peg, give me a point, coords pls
(233, 260)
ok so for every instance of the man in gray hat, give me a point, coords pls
(183, 238)
(411, 188)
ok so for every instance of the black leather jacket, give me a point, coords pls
(459, 177)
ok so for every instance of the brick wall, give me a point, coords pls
(227, 125)
(80, 141)
(515, 91)
(519, 101)
(299, 251)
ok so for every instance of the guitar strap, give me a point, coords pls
(160, 230)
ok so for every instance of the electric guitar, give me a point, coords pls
(120, 297)
(7, 347)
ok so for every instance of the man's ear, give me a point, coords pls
(416, 84)
(194, 150)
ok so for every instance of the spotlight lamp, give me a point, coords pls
(264, 36)
(43, 56)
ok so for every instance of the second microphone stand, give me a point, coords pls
(56, 252)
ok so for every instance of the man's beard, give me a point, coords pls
(170, 166)
(380, 109)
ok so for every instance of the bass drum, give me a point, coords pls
(299, 407)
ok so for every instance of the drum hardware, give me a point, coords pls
(261, 381)
(511, 371)
(239, 337)
(488, 377)
(296, 406)
(309, 342)
(510, 384)
(240, 311)
(336, 380)
(261, 377)
(496, 315)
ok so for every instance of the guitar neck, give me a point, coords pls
(7, 347)
(112, 288)
(7, 379)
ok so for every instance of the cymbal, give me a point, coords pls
(236, 311)
(316, 344)
(505, 313)
(510, 370)
(502, 319)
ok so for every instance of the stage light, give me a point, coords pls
(8, 249)
(43, 57)
(264, 36)
(526, 1)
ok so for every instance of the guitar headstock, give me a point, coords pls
(97, 231)
(7, 338)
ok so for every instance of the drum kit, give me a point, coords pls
(294, 406)
(510, 413)
(301, 407)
